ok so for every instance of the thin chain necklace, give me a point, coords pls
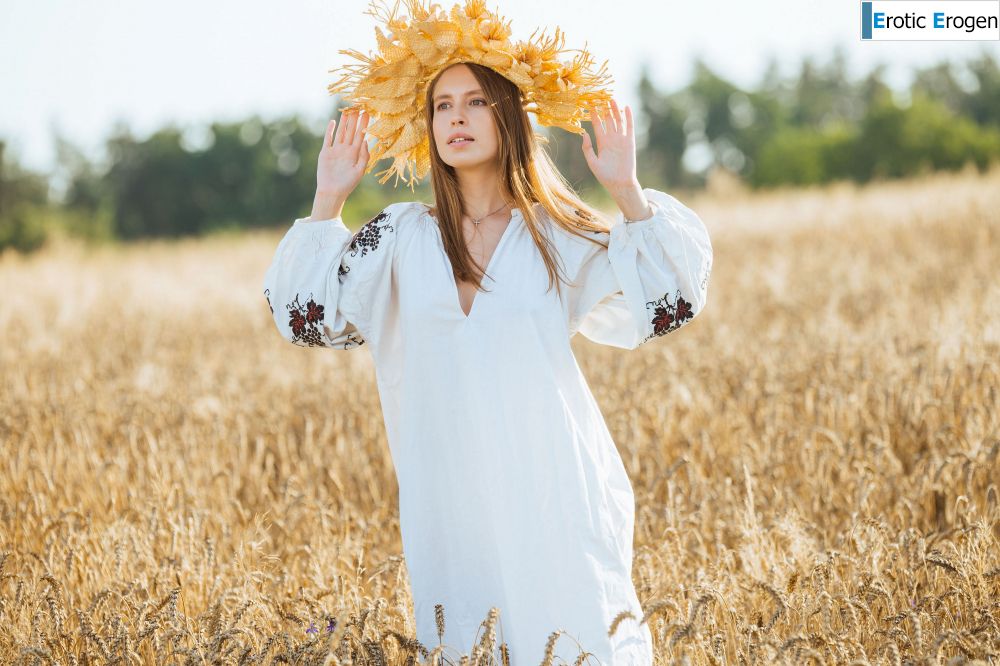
(477, 221)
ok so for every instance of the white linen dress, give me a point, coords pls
(512, 492)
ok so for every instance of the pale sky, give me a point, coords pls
(78, 67)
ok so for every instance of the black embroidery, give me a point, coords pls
(267, 295)
(353, 341)
(668, 316)
(366, 240)
(306, 322)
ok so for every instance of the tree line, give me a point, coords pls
(815, 126)
(821, 126)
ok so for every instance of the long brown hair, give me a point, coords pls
(527, 176)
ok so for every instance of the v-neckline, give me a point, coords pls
(515, 214)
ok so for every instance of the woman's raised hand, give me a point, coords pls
(614, 163)
(344, 156)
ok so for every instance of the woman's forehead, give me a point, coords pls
(456, 78)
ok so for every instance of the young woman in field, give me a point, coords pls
(512, 493)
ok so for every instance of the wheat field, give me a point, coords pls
(815, 458)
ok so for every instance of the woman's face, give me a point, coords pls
(460, 107)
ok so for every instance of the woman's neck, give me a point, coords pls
(480, 191)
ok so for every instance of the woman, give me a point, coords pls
(511, 491)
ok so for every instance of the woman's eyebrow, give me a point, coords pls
(467, 93)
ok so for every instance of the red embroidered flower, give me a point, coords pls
(314, 312)
(668, 316)
(684, 311)
(297, 322)
(662, 320)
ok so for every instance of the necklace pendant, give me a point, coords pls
(476, 222)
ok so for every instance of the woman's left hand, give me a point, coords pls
(614, 167)
(614, 163)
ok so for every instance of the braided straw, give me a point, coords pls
(391, 86)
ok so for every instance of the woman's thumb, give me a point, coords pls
(587, 147)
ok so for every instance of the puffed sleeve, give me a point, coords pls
(650, 280)
(327, 287)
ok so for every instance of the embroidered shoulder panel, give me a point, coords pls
(367, 239)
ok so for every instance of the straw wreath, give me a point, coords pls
(391, 85)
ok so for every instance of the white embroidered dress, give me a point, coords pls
(511, 490)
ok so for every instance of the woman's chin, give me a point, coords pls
(465, 162)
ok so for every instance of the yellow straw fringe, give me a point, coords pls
(390, 85)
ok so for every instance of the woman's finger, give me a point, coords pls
(588, 150)
(328, 136)
(629, 125)
(363, 155)
(617, 117)
(346, 126)
(609, 120)
(599, 111)
(363, 125)
(352, 125)
(596, 121)
(598, 125)
(359, 136)
(339, 136)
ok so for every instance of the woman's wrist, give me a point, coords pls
(327, 205)
(632, 202)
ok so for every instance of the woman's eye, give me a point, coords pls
(439, 106)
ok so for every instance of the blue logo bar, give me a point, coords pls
(866, 20)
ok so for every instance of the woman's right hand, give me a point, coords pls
(343, 157)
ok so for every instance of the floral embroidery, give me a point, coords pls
(306, 322)
(306, 319)
(267, 295)
(314, 312)
(668, 316)
(366, 240)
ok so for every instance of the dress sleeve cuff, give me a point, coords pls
(309, 222)
(322, 232)
(627, 233)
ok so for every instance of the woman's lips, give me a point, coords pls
(459, 144)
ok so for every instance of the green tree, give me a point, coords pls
(983, 104)
(895, 142)
(659, 134)
(23, 200)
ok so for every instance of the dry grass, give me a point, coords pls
(816, 459)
